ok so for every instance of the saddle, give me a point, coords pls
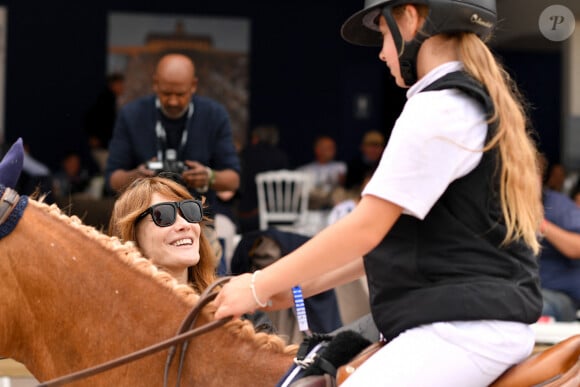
(557, 366)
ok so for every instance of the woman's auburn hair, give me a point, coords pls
(136, 199)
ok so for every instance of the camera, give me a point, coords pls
(174, 166)
(170, 164)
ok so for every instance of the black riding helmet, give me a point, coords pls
(445, 16)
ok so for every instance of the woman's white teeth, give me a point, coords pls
(182, 242)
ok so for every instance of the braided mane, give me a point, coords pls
(129, 253)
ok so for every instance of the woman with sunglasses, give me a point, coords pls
(165, 222)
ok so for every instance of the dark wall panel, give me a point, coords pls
(539, 77)
(303, 77)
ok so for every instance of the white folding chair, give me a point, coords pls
(283, 199)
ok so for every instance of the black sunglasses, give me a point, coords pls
(164, 214)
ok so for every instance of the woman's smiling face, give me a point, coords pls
(172, 249)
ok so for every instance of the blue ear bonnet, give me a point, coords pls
(11, 165)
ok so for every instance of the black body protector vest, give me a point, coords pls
(450, 266)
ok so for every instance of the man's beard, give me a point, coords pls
(174, 116)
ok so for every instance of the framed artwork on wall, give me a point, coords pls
(219, 48)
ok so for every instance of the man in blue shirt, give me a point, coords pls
(560, 256)
(174, 130)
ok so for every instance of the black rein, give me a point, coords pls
(183, 335)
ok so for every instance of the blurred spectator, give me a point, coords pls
(345, 202)
(560, 254)
(555, 177)
(260, 155)
(327, 173)
(371, 150)
(182, 131)
(72, 177)
(575, 193)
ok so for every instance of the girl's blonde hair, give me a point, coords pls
(520, 182)
(520, 188)
(136, 199)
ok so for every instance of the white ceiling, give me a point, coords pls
(518, 27)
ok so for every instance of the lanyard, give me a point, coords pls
(162, 151)
(300, 310)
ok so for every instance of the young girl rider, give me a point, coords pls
(447, 224)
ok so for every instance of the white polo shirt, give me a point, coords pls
(437, 138)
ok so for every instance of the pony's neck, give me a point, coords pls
(74, 302)
(70, 302)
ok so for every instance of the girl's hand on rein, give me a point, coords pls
(235, 298)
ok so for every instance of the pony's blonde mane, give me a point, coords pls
(130, 254)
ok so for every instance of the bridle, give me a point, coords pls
(7, 203)
(11, 207)
(182, 336)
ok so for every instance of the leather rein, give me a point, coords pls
(9, 199)
(185, 332)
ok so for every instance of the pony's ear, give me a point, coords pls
(11, 164)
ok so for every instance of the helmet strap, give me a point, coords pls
(407, 50)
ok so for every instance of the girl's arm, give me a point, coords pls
(336, 246)
(343, 275)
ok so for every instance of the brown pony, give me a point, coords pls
(72, 297)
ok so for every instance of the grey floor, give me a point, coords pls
(14, 374)
(6, 381)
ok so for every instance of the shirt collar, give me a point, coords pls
(433, 75)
